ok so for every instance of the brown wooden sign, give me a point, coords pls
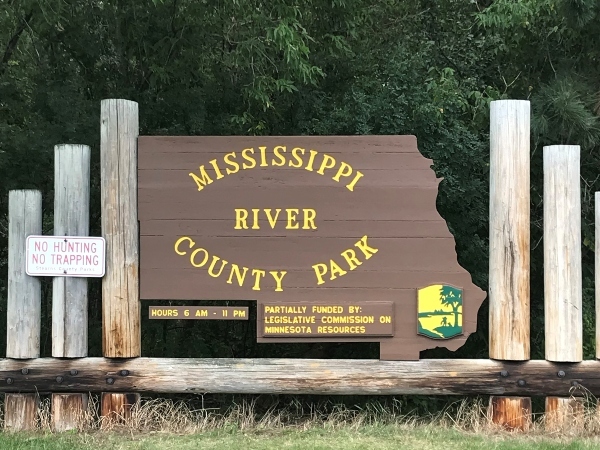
(198, 312)
(324, 221)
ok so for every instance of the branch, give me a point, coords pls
(12, 44)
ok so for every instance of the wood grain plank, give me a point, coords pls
(119, 129)
(71, 218)
(187, 159)
(162, 179)
(509, 269)
(326, 228)
(24, 301)
(597, 269)
(339, 203)
(563, 308)
(152, 145)
(299, 287)
(303, 376)
(21, 411)
(301, 253)
(69, 411)
(512, 413)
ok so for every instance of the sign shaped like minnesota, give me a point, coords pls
(440, 311)
(318, 230)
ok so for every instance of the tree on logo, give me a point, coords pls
(452, 297)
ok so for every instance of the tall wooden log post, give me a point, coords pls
(70, 294)
(121, 338)
(24, 303)
(562, 272)
(509, 249)
(597, 276)
(597, 273)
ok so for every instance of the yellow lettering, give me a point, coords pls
(272, 220)
(309, 219)
(276, 151)
(311, 160)
(291, 215)
(328, 309)
(212, 266)
(193, 256)
(201, 182)
(278, 276)
(186, 312)
(350, 257)
(239, 275)
(240, 219)
(362, 245)
(358, 176)
(263, 156)
(228, 160)
(328, 163)
(320, 270)
(255, 226)
(345, 170)
(335, 269)
(258, 274)
(217, 170)
(179, 241)
(297, 157)
(155, 312)
(248, 158)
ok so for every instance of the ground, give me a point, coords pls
(380, 437)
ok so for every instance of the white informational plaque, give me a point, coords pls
(65, 256)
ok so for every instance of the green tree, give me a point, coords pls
(452, 297)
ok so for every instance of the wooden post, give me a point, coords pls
(69, 411)
(116, 407)
(24, 303)
(70, 294)
(20, 411)
(71, 218)
(597, 272)
(562, 254)
(512, 413)
(119, 130)
(563, 318)
(509, 248)
(564, 414)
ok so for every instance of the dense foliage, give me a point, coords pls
(222, 67)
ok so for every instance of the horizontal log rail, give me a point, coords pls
(300, 376)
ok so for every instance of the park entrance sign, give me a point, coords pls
(338, 239)
(334, 238)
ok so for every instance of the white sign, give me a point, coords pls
(66, 256)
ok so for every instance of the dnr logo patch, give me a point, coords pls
(439, 311)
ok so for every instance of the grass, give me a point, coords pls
(165, 425)
(380, 437)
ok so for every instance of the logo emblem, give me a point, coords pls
(439, 310)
